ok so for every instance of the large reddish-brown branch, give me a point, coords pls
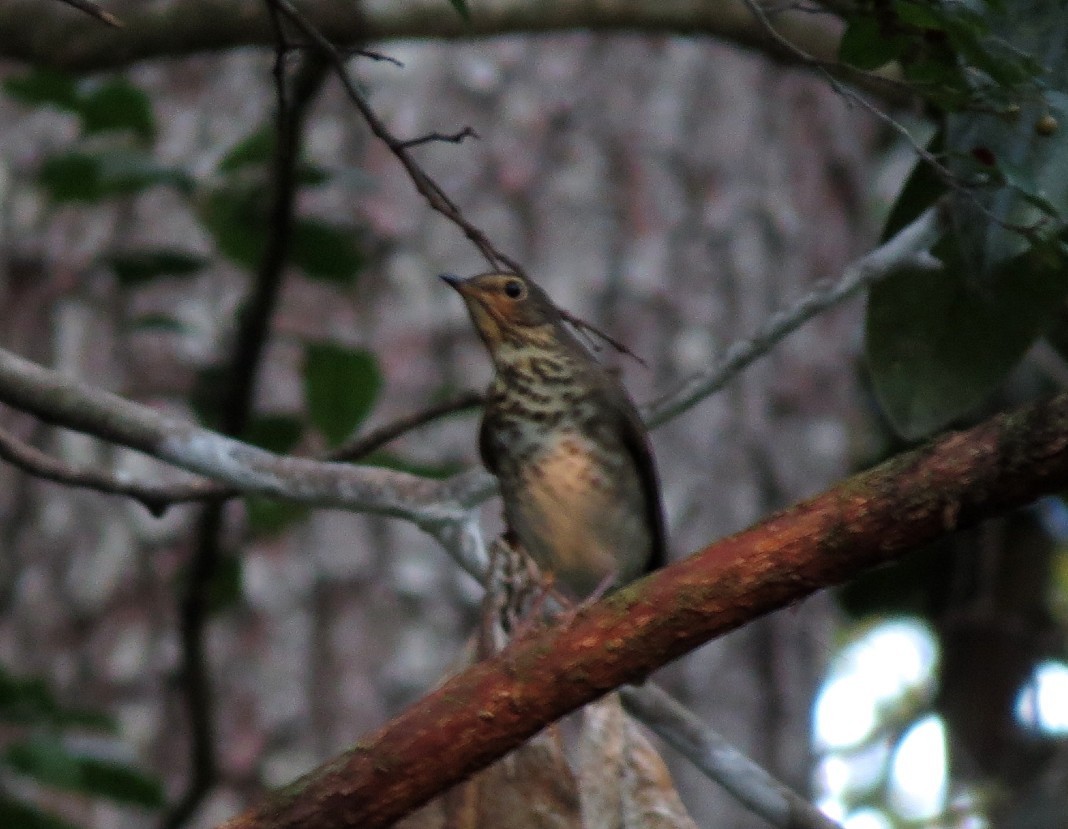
(492, 707)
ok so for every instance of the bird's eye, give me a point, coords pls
(513, 288)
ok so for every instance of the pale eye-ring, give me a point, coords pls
(513, 288)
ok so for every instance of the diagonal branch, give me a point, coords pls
(910, 247)
(93, 10)
(492, 707)
(430, 190)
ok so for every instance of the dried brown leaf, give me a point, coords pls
(624, 783)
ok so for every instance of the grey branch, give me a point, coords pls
(65, 402)
(908, 248)
(751, 785)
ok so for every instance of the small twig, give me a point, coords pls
(587, 328)
(448, 138)
(431, 191)
(909, 247)
(364, 445)
(93, 10)
(373, 55)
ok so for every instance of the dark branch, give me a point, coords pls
(93, 10)
(449, 138)
(364, 445)
(236, 408)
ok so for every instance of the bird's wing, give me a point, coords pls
(485, 445)
(636, 441)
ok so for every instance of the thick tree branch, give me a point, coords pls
(30, 30)
(489, 709)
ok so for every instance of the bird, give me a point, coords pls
(569, 450)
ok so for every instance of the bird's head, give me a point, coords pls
(508, 310)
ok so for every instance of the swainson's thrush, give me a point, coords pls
(565, 442)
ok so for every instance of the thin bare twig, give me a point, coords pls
(588, 328)
(431, 191)
(363, 445)
(373, 55)
(93, 10)
(446, 138)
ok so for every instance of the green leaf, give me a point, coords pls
(325, 251)
(256, 149)
(224, 588)
(206, 396)
(28, 701)
(83, 177)
(236, 218)
(135, 267)
(340, 387)
(44, 87)
(938, 344)
(864, 46)
(275, 433)
(461, 9)
(268, 518)
(922, 189)
(116, 106)
(437, 471)
(158, 322)
(47, 760)
(23, 816)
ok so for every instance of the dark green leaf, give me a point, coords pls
(256, 149)
(128, 171)
(79, 176)
(206, 396)
(864, 46)
(157, 322)
(938, 344)
(325, 251)
(224, 589)
(340, 386)
(134, 267)
(275, 433)
(28, 701)
(49, 761)
(71, 177)
(23, 816)
(922, 15)
(44, 86)
(438, 471)
(461, 9)
(922, 189)
(269, 518)
(237, 221)
(116, 106)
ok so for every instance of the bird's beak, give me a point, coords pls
(453, 280)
